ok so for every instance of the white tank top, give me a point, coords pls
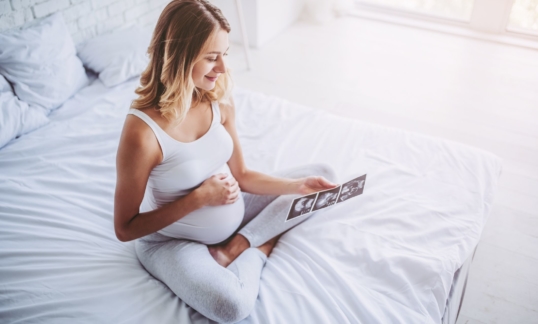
(184, 167)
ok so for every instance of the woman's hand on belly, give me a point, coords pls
(219, 189)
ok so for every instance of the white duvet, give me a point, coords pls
(387, 256)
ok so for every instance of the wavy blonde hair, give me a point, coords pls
(183, 32)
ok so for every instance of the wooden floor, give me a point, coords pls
(476, 92)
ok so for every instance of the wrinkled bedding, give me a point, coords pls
(387, 256)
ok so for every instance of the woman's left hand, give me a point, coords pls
(314, 184)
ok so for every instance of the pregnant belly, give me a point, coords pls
(209, 224)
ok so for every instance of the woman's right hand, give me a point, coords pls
(220, 189)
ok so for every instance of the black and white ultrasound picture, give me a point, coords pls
(301, 206)
(326, 198)
(352, 188)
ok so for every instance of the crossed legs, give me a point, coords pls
(225, 294)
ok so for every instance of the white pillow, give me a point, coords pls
(117, 56)
(17, 117)
(41, 62)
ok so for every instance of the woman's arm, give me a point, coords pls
(262, 184)
(138, 153)
(259, 183)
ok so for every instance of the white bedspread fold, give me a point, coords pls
(387, 256)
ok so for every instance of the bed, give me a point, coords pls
(398, 253)
(389, 255)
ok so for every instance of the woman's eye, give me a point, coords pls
(215, 59)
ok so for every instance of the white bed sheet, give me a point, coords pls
(386, 256)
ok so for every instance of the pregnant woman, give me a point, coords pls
(204, 223)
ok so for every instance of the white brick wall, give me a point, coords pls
(84, 18)
(48, 7)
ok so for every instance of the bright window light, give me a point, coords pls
(455, 9)
(524, 17)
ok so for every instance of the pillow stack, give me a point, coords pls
(40, 69)
(40, 62)
(118, 56)
(16, 116)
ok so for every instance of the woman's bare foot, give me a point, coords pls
(267, 247)
(218, 253)
(227, 252)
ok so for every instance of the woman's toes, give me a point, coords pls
(268, 246)
(213, 251)
(219, 255)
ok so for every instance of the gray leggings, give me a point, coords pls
(225, 295)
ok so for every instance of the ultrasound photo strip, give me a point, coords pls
(312, 202)
(352, 188)
(326, 198)
(301, 206)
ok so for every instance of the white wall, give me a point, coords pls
(264, 19)
(84, 18)
(274, 16)
(250, 13)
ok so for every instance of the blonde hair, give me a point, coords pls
(182, 34)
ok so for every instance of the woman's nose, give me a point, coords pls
(220, 67)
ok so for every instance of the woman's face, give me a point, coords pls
(211, 63)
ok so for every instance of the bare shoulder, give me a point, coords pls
(136, 130)
(227, 111)
(138, 137)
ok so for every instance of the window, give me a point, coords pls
(524, 17)
(507, 21)
(454, 9)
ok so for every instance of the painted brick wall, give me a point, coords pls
(84, 18)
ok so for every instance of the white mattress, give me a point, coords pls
(386, 256)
